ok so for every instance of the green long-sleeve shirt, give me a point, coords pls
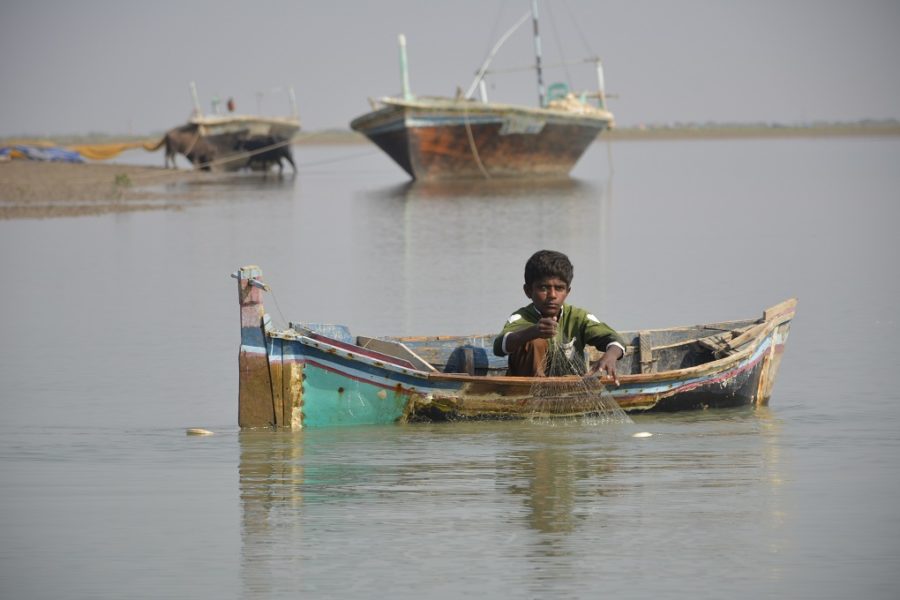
(576, 329)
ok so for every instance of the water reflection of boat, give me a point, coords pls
(446, 226)
(320, 375)
(516, 189)
(456, 138)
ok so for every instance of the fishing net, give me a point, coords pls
(568, 393)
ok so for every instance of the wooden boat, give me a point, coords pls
(229, 134)
(314, 375)
(459, 138)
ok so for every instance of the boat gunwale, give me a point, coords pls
(784, 313)
(470, 106)
(212, 120)
(475, 108)
(342, 351)
(714, 366)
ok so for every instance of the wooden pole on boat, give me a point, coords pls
(537, 53)
(198, 112)
(601, 91)
(404, 68)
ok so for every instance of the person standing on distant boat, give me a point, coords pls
(548, 327)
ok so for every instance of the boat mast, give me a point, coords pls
(404, 68)
(601, 87)
(537, 53)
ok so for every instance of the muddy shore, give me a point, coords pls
(36, 190)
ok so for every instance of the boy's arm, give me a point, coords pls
(608, 361)
(544, 328)
(605, 338)
(514, 336)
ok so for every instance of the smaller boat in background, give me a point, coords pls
(230, 141)
(460, 137)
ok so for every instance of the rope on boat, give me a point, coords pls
(250, 154)
(472, 142)
(284, 321)
(559, 47)
(237, 155)
(144, 178)
(339, 159)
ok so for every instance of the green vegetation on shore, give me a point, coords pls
(867, 127)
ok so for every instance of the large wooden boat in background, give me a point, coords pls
(460, 137)
(313, 375)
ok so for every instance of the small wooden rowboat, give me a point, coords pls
(313, 375)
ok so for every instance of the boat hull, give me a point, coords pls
(226, 134)
(467, 140)
(299, 378)
(740, 380)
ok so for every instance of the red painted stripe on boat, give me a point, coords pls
(373, 354)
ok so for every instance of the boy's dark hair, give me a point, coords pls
(548, 263)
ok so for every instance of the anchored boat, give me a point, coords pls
(315, 375)
(230, 141)
(460, 137)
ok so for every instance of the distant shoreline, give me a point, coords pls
(877, 129)
(675, 132)
(649, 132)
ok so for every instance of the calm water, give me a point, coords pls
(121, 331)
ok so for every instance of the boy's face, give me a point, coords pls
(548, 295)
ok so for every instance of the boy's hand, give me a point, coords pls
(607, 363)
(546, 328)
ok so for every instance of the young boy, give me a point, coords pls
(529, 332)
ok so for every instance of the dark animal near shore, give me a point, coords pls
(265, 151)
(187, 141)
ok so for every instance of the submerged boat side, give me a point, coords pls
(460, 139)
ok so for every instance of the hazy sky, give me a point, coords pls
(79, 66)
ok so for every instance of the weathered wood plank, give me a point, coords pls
(648, 363)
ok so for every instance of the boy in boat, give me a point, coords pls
(548, 336)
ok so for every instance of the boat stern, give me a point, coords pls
(780, 316)
(255, 398)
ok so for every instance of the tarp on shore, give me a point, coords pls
(48, 151)
(107, 151)
(45, 153)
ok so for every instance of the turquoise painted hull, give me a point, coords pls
(332, 399)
